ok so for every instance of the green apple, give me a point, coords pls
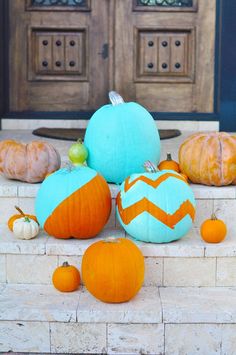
(78, 153)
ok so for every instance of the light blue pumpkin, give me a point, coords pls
(119, 138)
(156, 207)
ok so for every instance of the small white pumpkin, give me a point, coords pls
(25, 228)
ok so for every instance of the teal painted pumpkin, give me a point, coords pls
(156, 207)
(119, 138)
(73, 202)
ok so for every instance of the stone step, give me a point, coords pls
(10, 125)
(208, 199)
(188, 262)
(169, 320)
(16, 193)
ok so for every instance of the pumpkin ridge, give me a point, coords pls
(204, 147)
(220, 157)
(234, 179)
(135, 280)
(144, 205)
(232, 139)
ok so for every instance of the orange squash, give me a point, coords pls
(113, 270)
(21, 214)
(209, 158)
(213, 230)
(28, 162)
(169, 164)
(66, 278)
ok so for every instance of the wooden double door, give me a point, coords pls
(65, 55)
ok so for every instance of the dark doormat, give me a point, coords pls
(72, 134)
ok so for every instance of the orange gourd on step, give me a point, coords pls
(213, 230)
(113, 270)
(209, 158)
(21, 214)
(28, 162)
(169, 164)
(66, 278)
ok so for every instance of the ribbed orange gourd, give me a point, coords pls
(28, 162)
(209, 158)
(113, 270)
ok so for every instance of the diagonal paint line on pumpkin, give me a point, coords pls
(76, 178)
(144, 205)
(153, 183)
(81, 227)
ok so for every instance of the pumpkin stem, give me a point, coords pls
(169, 158)
(111, 240)
(213, 216)
(115, 98)
(27, 219)
(65, 264)
(80, 141)
(150, 167)
(20, 210)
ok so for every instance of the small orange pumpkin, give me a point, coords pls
(169, 164)
(66, 278)
(213, 230)
(113, 270)
(21, 214)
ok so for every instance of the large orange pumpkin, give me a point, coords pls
(209, 158)
(28, 162)
(113, 270)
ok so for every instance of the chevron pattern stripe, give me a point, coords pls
(144, 205)
(156, 207)
(153, 183)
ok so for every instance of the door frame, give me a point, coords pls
(217, 115)
(227, 110)
(4, 86)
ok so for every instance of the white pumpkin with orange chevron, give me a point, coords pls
(156, 207)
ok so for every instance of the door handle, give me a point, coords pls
(105, 51)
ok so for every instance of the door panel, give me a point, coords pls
(66, 54)
(56, 60)
(169, 49)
